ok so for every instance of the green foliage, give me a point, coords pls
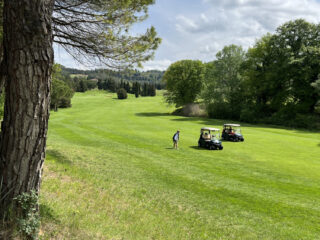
(152, 90)
(316, 85)
(184, 81)
(82, 87)
(144, 91)
(261, 82)
(100, 84)
(296, 47)
(136, 89)
(122, 93)
(110, 85)
(61, 93)
(28, 219)
(222, 92)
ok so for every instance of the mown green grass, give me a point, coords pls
(111, 173)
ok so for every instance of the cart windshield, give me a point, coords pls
(215, 135)
(210, 135)
(237, 130)
(232, 130)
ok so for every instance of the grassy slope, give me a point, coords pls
(110, 173)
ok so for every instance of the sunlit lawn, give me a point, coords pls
(111, 173)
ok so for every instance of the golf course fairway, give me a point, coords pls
(111, 173)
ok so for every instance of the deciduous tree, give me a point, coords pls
(223, 83)
(184, 80)
(296, 49)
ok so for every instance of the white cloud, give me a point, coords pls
(199, 29)
(185, 24)
(161, 65)
(240, 22)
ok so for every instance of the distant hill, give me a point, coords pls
(154, 76)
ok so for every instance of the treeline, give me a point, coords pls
(136, 88)
(276, 81)
(151, 76)
(83, 80)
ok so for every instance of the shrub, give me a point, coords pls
(65, 102)
(61, 95)
(122, 93)
(28, 219)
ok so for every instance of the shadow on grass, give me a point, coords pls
(201, 120)
(198, 148)
(152, 114)
(58, 157)
(47, 213)
(219, 122)
(115, 98)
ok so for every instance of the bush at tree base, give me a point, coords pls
(122, 93)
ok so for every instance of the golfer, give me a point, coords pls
(176, 139)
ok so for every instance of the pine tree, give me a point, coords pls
(144, 90)
(152, 90)
(100, 84)
(127, 87)
(97, 30)
(136, 89)
(82, 86)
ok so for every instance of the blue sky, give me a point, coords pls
(198, 29)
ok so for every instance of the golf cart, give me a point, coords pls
(210, 138)
(232, 132)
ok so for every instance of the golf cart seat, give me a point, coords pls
(206, 136)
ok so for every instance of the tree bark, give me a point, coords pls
(28, 59)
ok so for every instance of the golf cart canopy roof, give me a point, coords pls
(231, 125)
(210, 129)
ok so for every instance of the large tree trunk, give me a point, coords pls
(28, 59)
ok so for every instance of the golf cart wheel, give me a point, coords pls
(220, 148)
(211, 147)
